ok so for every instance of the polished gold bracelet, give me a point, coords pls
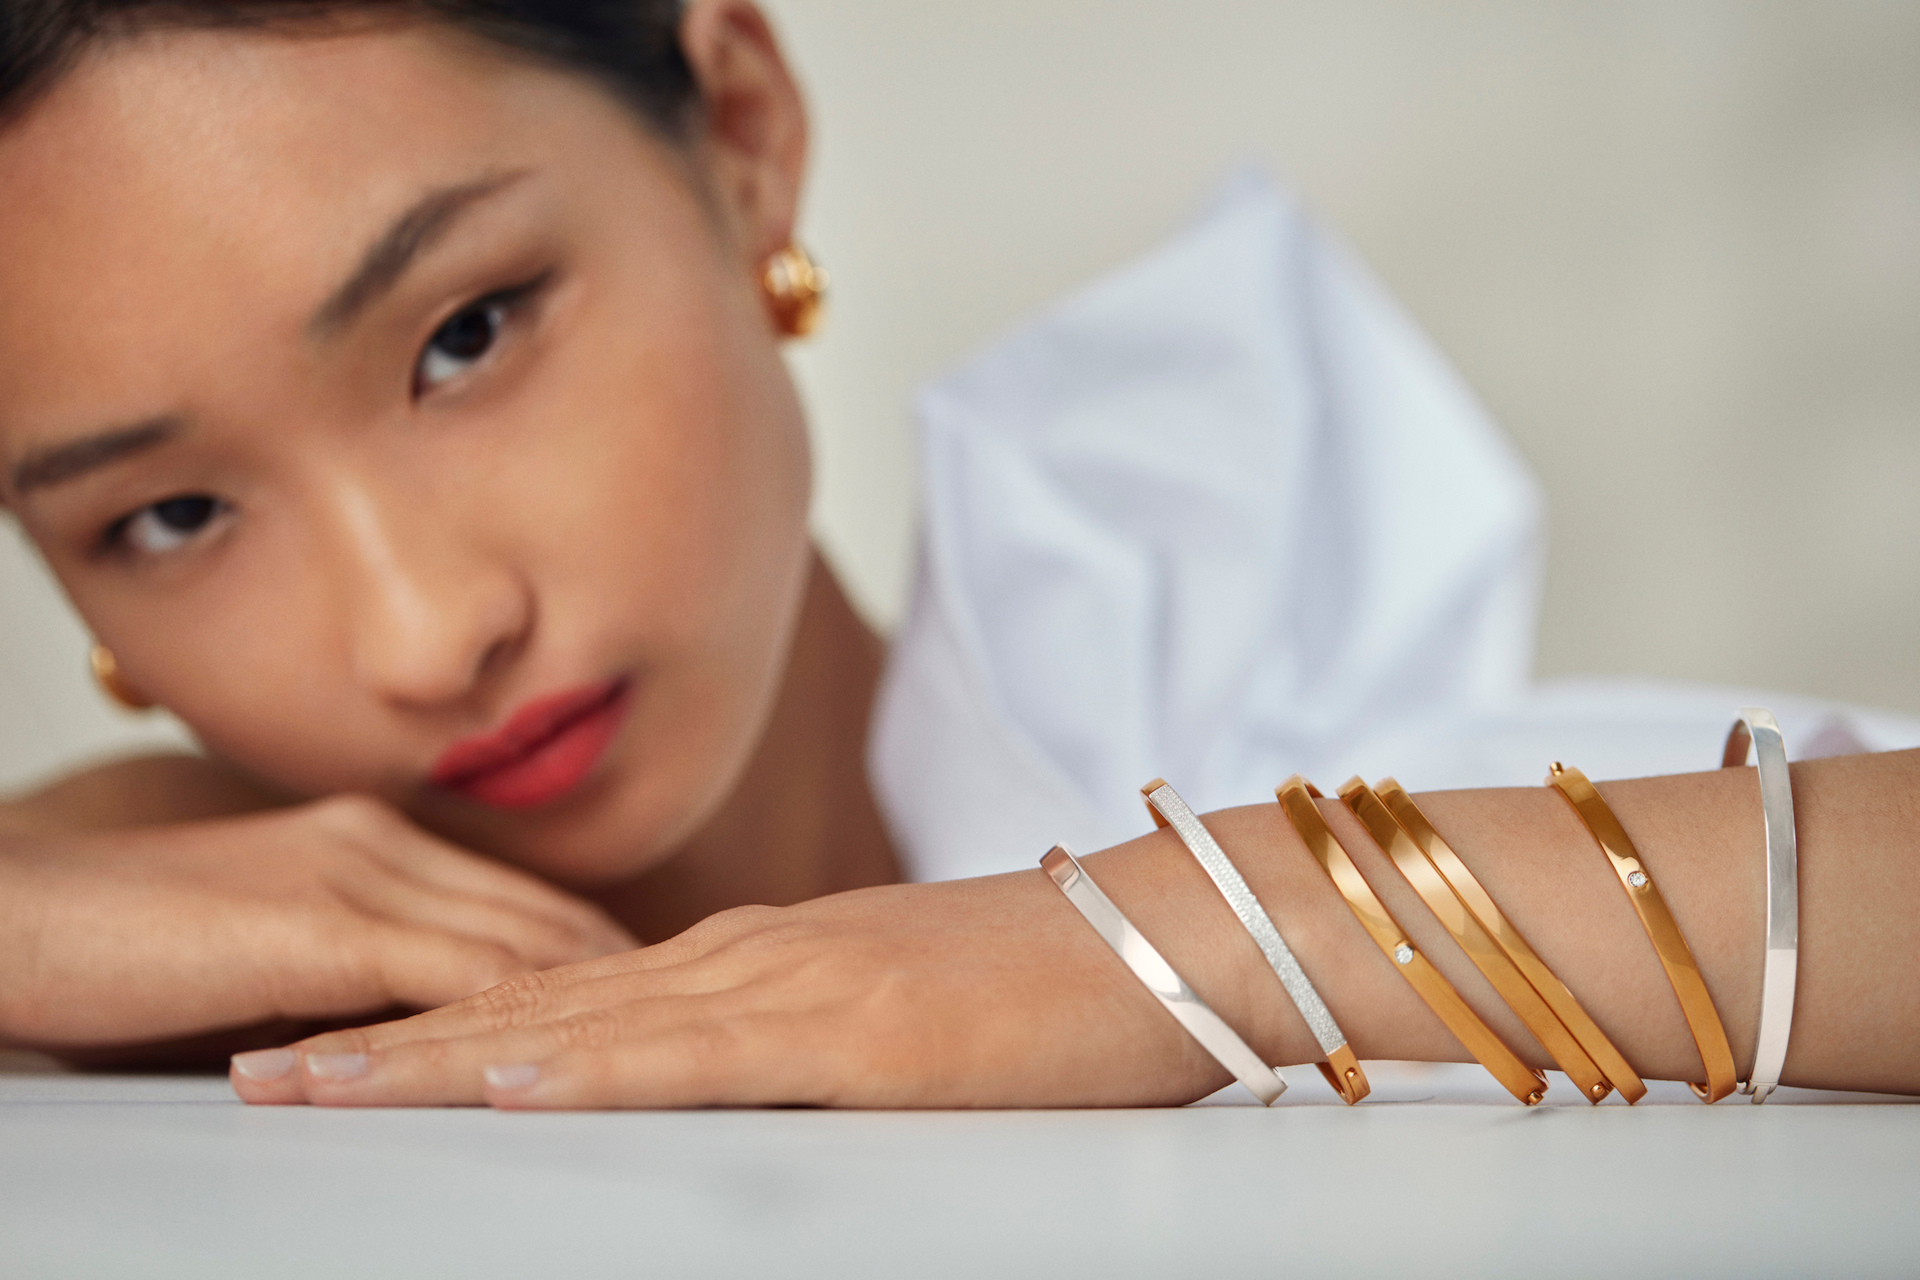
(1296, 797)
(1414, 852)
(1620, 1074)
(1683, 971)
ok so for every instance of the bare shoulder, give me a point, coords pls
(136, 791)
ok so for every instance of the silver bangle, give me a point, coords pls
(1148, 965)
(1169, 810)
(1756, 726)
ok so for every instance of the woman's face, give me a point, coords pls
(406, 418)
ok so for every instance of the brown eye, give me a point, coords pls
(459, 344)
(172, 523)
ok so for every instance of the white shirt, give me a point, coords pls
(1224, 516)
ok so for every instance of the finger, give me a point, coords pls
(451, 1072)
(458, 871)
(437, 862)
(529, 1002)
(385, 965)
(540, 940)
(557, 993)
(757, 1060)
(391, 838)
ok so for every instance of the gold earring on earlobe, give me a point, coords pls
(106, 674)
(796, 290)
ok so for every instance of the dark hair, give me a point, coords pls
(632, 47)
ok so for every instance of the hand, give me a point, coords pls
(332, 909)
(983, 993)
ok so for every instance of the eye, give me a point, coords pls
(470, 334)
(458, 345)
(169, 524)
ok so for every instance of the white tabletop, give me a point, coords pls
(1433, 1176)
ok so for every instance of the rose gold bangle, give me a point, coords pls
(1208, 1029)
(1620, 1074)
(1676, 957)
(1523, 1082)
(1413, 852)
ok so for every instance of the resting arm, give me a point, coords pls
(136, 791)
(1857, 1014)
(995, 992)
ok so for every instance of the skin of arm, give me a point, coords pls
(136, 791)
(994, 992)
(161, 910)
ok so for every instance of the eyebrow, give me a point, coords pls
(59, 463)
(387, 259)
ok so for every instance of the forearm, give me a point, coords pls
(1857, 1012)
(135, 791)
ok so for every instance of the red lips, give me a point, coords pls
(545, 750)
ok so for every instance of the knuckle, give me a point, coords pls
(710, 1043)
(590, 1029)
(354, 814)
(492, 963)
(509, 1005)
(353, 1040)
(735, 924)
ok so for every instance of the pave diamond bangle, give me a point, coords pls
(1341, 1069)
(1620, 1074)
(1758, 728)
(1413, 861)
(1148, 965)
(1676, 957)
(1523, 1082)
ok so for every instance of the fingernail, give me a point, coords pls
(517, 1075)
(265, 1064)
(337, 1066)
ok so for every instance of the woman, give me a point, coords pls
(395, 390)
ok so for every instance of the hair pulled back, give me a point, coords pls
(632, 47)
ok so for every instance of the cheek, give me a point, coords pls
(678, 548)
(677, 477)
(248, 658)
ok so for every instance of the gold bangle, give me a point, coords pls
(1683, 971)
(1618, 1071)
(1414, 857)
(1296, 796)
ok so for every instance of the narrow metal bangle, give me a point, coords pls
(1757, 727)
(1296, 796)
(1148, 965)
(1488, 957)
(1676, 957)
(1341, 1069)
(1620, 1074)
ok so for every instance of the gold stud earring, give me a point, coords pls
(106, 674)
(796, 290)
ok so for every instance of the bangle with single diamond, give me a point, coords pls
(1296, 796)
(1676, 957)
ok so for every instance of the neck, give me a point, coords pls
(802, 823)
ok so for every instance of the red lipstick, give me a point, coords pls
(544, 750)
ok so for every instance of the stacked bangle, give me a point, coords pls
(1296, 796)
(1758, 728)
(1148, 965)
(1414, 862)
(1496, 947)
(1341, 1069)
(1696, 1003)
(1554, 992)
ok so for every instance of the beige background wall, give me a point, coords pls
(1675, 246)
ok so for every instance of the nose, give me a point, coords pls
(430, 613)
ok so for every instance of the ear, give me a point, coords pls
(755, 125)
